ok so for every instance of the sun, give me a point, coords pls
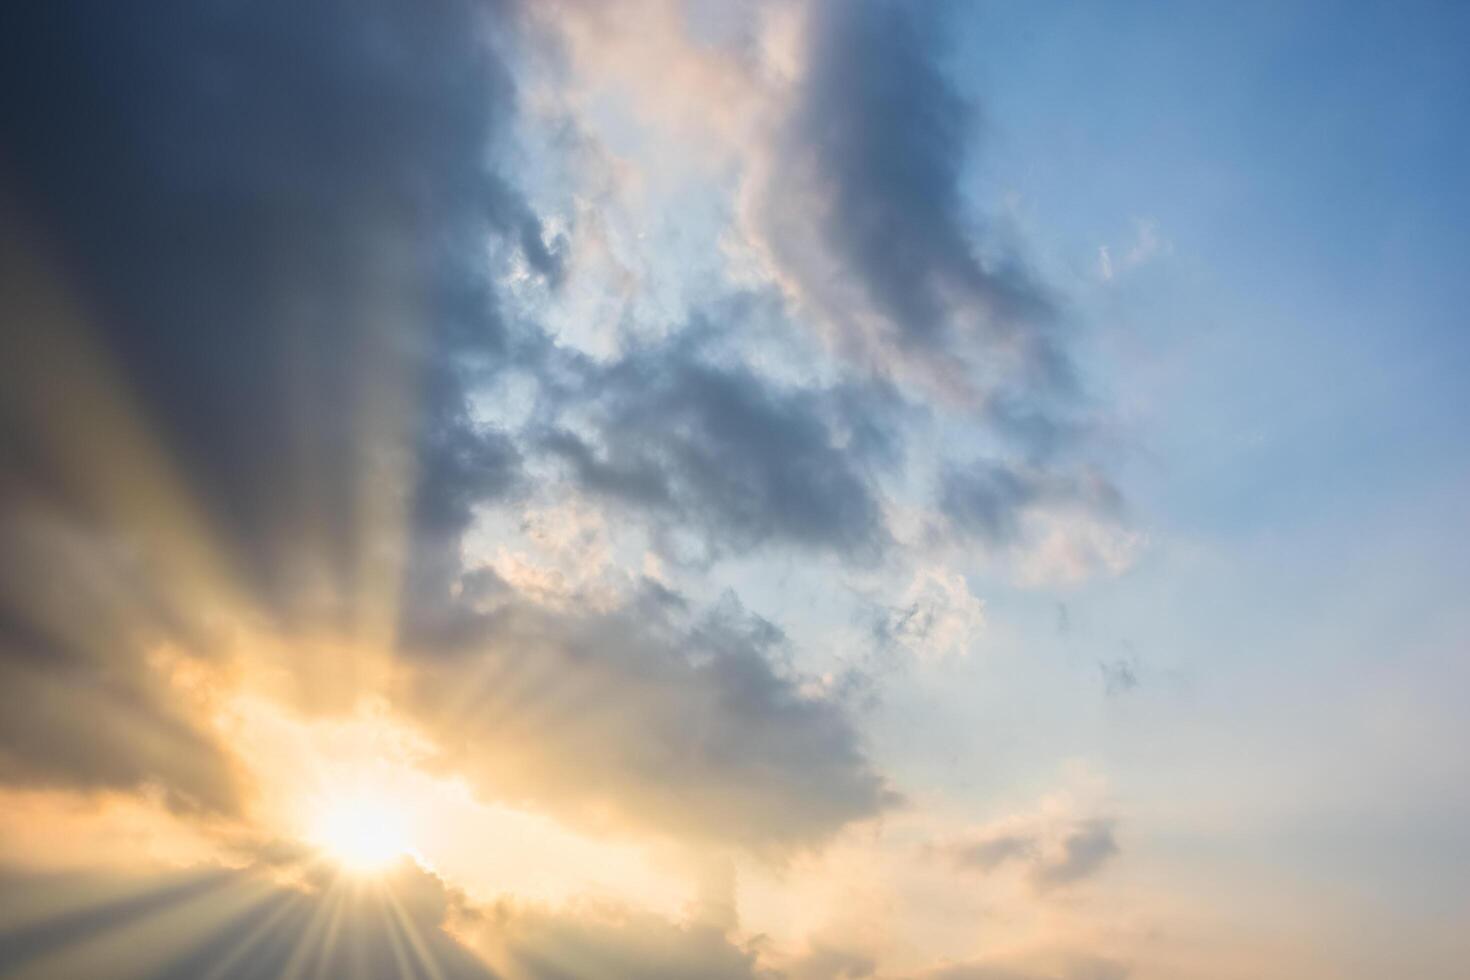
(361, 832)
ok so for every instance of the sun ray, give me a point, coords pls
(253, 938)
(133, 935)
(338, 901)
(314, 936)
(420, 948)
(395, 941)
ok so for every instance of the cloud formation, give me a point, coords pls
(1052, 853)
(277, 218)
(862, 208)
(527, 943)
(232, 925)
(682, 723)
(704, 444)
(274, 269)
(264, 221)
(82, 702)
(1070, 967)
(990, 500)
(240, 924)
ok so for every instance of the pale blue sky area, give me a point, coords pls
(1293, 352)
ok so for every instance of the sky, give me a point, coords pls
(787, 489)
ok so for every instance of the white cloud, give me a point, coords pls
(937, 615)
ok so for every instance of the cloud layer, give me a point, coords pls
(287, 392)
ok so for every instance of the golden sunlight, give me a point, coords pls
(363, 833)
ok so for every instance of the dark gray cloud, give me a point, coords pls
(862, 204)
(889, 133)
(864, 207)
(644, 718)
(989, 499)
(706, 445)
(257, 234)
(274, 219)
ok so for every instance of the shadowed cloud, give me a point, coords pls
(259, 229)
(863, 208)
(991, 499)
(707, 445)
(1052, 854)
(231, 925)
(678, 723)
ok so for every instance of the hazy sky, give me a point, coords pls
(800, 489)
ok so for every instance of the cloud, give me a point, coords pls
(238, 924)
(1056, 525)
(245, 923)
(280, 222)
(1084, 849)
(823, 962)
(1119, 677)
(937, 616)
(858, 199)
(252, 240)
(231, 925)
(853, 148)
(702, 443)
(1051, 851)
(861, 207)
(85, 700)
(1147, 245)
(988, 853)
(1065, 545)
(275, 218)
(990, 499)
(645, 718)
(1051, 967)
(529, 943)
(285, 241)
